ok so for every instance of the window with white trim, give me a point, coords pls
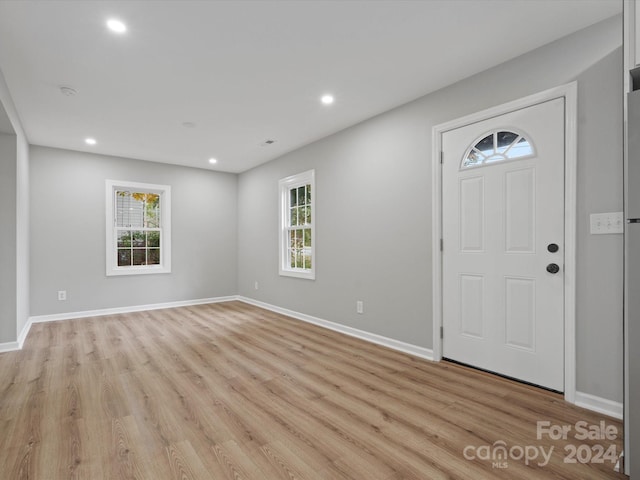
(138, 221)
(297, 232)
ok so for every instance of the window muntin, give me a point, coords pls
(138, 228)
(498, 146)
(297, 244)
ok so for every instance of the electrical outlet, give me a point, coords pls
(256, 286)
(606, 223)
(359, 307)
(62, 295)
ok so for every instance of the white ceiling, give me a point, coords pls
(247, 71)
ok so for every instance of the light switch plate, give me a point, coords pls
(607, 223)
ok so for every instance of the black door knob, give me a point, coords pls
(553, 247)
(553, 268)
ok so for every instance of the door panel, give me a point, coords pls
(520, 221)
(520, 312)
(502, 310)
(471, 214)
(472, 297)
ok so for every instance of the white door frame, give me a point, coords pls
(569, 93)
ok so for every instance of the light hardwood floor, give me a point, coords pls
(230, 391)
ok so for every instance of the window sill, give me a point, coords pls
(308, 275)
(144, 270)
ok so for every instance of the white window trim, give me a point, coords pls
(285, 185)
(164, 191)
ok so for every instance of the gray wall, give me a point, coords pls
(373, 214)
(14, 218)
(68, 233)
(8, 285)
(600, 273)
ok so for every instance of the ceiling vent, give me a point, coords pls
(68, 91)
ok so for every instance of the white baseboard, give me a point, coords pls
(599, 404)
(134, 308)
(415, 350)
(9, 347)
(23, 334)
(17, 345)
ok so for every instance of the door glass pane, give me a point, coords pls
(473, 158)
(485, 145)
(522, 149)
(504, 140)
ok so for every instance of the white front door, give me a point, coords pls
(503, 244)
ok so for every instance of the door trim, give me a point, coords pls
(569, 93)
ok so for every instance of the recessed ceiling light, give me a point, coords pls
(213, 161)
(90, 141)
(116, 25)
(327, 99)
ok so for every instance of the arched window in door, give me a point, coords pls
(498, 146)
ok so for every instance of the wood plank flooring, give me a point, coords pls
(231, 391)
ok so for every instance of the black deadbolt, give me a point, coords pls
(553, 268)
(553, 247)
